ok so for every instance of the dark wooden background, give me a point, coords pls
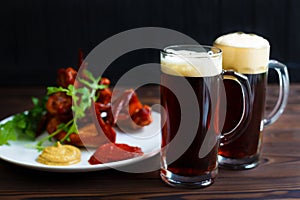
(39, 36)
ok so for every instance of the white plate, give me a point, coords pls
(148, 138)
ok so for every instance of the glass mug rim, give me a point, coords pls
(190, 60)
(215, 50)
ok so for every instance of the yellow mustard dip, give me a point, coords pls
(60, 155)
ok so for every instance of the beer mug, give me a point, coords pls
(193, 111)
(248, 54)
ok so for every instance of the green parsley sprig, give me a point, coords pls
(23, 125)
(82, 99)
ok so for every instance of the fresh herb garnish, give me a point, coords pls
(23, 125)
(82, 99)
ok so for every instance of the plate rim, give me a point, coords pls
(76, 167)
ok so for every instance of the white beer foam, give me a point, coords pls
(244, 53)
(243, 40)
(191, 63)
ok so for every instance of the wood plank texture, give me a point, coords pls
(277, 176)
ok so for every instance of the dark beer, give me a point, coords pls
(190, 97)
(248, 144)
(247, 54)
(189, 163)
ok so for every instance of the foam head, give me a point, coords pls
(244, 53)
(191, 61)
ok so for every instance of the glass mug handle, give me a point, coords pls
(284, 86)
(247, 106)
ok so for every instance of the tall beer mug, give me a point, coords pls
(248, 54)
(192, 94)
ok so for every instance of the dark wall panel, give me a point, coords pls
(38, 37)
(271, 18)
(237, 15)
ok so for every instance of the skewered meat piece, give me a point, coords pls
(59, 104)
(126, 109)
(143, 116)
(66, 77)
(104, 96)
(135, 116)
(88, 136)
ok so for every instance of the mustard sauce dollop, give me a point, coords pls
(60, 155)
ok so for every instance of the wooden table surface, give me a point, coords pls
(277, 176)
